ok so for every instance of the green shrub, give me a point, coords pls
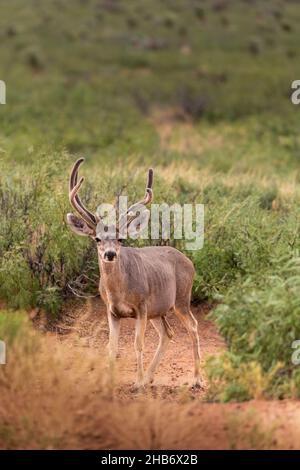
(39, 255)
(231, 379)
(240, 238)
(260, 321)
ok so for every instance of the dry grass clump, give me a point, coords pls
(45, 388)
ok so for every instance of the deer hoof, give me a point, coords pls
(148, 380)
(197, 385)
(139, 387)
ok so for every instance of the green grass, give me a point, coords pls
(202, 93)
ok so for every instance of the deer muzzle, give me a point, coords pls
(110, 255)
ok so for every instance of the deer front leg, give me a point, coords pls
(114, 330)
(140, 328)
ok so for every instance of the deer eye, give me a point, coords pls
(97, 239)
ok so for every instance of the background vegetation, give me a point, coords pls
(199, 90)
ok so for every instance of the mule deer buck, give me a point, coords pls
(141, 283)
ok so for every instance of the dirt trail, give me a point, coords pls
(87, 323)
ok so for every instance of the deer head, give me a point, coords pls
(88, 224)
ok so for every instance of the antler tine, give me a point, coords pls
(74, 173)
(148, 193)
(146, 200)
(150, 179)
(73, 181)
(75, 201)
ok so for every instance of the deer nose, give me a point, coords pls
(110, 255)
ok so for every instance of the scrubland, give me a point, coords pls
(200, 92)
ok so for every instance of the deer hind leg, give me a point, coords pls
(140, 328)
(165, 334)
(189, 321)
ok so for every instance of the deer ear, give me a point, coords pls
(79, 226)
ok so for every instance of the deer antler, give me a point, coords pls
(75, 201)
(131, 212)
